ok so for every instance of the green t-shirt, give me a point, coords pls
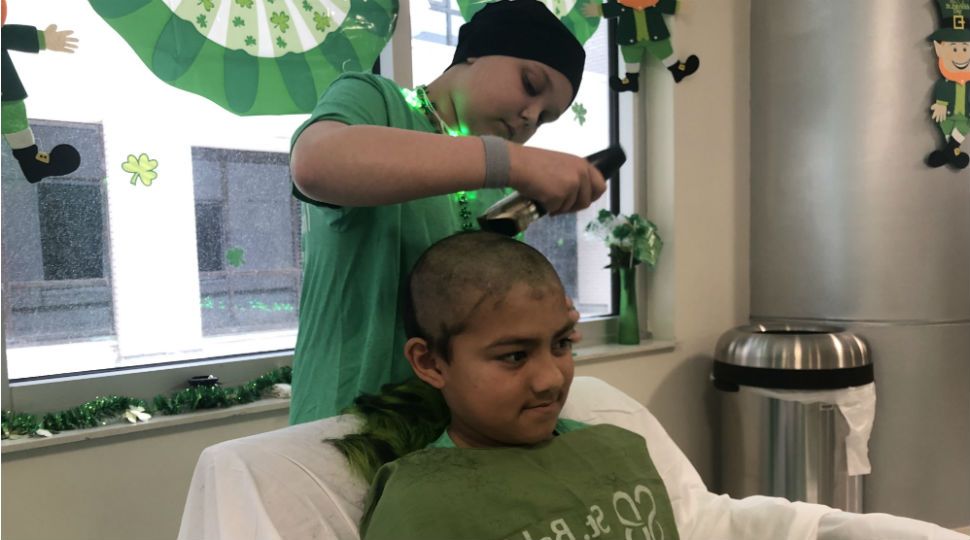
(355, 262)
(595, 482)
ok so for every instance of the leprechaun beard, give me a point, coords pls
(961, 76)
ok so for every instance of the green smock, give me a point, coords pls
(355, 262)
(594, 482)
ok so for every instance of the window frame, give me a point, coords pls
(57, 392)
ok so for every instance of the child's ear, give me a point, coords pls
(425, 363)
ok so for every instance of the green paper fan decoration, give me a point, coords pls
(253, 56)
(569, 12)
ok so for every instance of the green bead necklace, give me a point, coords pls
(418, 100)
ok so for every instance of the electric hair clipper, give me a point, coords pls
(514, 213)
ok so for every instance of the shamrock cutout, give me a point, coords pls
(235, 256)
(280, 20)
(580, 112)
(141, 168)
(321, 21)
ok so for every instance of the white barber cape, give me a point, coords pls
(287, 484)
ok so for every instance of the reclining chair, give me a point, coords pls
(288, 484)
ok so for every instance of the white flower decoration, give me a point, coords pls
(134, 414)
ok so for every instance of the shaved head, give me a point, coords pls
(463, 273)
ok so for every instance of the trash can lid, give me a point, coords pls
(792, 347)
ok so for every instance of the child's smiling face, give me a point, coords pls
(504, 96)
(510, 369)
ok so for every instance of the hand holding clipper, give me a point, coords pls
(514, 213)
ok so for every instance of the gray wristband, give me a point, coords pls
(496, 161)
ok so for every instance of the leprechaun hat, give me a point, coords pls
(954, 21)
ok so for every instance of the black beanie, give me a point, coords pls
(522, 29)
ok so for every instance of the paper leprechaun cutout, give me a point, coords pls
(35, 164)
(641, 28)
(951, 101)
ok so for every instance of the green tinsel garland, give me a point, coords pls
(95, 412)
(215, 397)
(90, 414)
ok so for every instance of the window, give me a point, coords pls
(106, 270)
(61, 305)
(249, 275)
(193, 256)
(583, 130)
(55, 247)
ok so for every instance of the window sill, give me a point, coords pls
(11, 446)
(612, 351)
(40, 361)
(584, 355)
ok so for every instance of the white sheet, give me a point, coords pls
(287, 484)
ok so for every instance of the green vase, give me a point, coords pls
(629, 329)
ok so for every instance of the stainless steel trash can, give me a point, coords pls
(779, 447)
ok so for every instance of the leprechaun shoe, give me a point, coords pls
(950, 154)
(680, 70)
(36, 165)
(959, 159)
(630, 83)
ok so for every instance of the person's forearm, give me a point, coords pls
(372, 165)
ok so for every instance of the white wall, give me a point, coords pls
(698, 196)
(130, 487)
(134, 487)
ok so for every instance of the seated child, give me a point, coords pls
(490, 329)
(475, 448)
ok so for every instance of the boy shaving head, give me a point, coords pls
(371, 145)
(490, 327)
(516, 67)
